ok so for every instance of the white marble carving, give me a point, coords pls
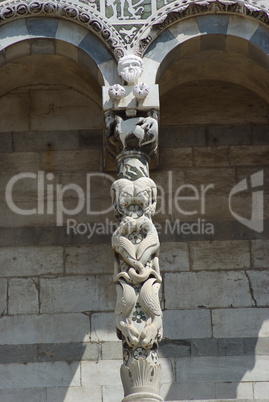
(130, 68)
(116, 92)
(134, 132)
(141, 91)
(137, 277)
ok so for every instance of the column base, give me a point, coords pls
(143, 397)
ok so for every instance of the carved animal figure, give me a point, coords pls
(126, 299)
(145, 129)
(149, 299)
(136, 255)
(142, 192)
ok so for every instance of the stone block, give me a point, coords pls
(103, 327)
(83, 161)
(93, 46)
(92, 259)
(68, 352)
(227, 390)
(236, 44)
(50, 108)
(25, 261)
(171, 392)
(228, 135)
(206, 289)
(222, 179)
(112, 350)
(42, 27)
(260, 38)
(112, 393)
(240, 323)
(63, 49)
(261, 390)
(174, 257)
(3, 296)
(260, 253)
(17, 50)
(74, 35)
(186, 324)
(161, 46)
(186, 136)
(44, 328)
(249, 155)
(213, 42)
(5, 142)
(13, 163)
(23, 296)
(260, 134)
(174, 349)
(215, 208)
(257, 55)
(42, 46)
(262, 344)
(175, 158)
(222, 369)
(213, 24)
(45, 140)
(102, 372)
(238, 27)
(7, 237)
(220, 255)
(90, 138)
(91, 293)
(13, 32)
(18, 354)
(19, 104)
(186, 30)
(39, 375)
(259, 282)
(230, 346)
(72, 394)
(25, 236)
(190, 47)
(29, 395)
(204, 347)
(211, 157)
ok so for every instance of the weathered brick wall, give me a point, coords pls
(57, 295)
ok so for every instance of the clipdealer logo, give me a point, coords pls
(256, 221)
(186, 200)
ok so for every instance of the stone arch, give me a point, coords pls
(243, 40)
(182, 9)
(79, 13)
(52, 36)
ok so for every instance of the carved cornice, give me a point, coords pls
(79, 13)
(187, 8)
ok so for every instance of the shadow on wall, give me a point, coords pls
(222, 368)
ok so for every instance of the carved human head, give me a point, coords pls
(130, 68)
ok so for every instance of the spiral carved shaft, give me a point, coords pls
(137, 277)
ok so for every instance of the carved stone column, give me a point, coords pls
(132, 138)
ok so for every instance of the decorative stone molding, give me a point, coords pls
(77, 12)
(134, 38)
(185, 8)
